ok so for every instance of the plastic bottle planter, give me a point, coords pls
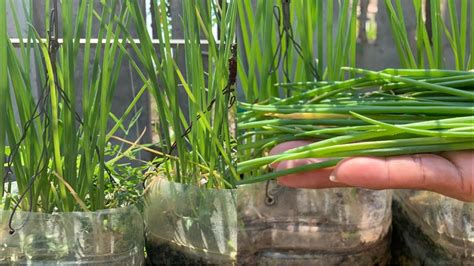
(189, 225)
(433, 229)
(313, 227)
(105, 237)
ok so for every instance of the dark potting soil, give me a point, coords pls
(166, 255)
(410, 246)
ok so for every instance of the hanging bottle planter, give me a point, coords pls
(433, 229)
(105, 237)
(61, 207)
(187, 224)
(306, 227)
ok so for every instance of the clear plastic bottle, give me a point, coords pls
(433, 229)
(187, 225)
(313, 227)
(105, 237)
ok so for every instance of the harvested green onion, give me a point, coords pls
(363, 124)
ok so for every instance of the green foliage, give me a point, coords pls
(327, 41)
(129, 178)
(58, 148)
(202, 155)
(4, 87)
(452, 27)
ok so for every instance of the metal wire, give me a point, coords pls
(269, 198)
(39, 111)
(286, 33)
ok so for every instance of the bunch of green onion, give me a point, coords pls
(195, 141)
(391, 112)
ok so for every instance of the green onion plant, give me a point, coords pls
(453, 26)
(196, 144)
(57, 150)
(320, 32)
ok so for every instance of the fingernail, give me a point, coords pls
(332, 177)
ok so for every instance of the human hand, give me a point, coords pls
(447, 173)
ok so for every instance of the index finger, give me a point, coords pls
(423, 171)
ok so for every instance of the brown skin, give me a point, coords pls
(447, 173)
